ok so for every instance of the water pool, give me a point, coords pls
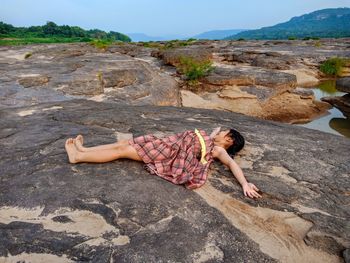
(334, 122)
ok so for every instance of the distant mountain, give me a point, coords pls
(325, 23)
(137, 37)
(218, 34)
(214, 34)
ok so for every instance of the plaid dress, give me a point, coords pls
(176, 158)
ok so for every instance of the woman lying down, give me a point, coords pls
(182, 158)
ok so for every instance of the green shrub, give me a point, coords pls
(169, 44)
(85, 39)
(334, 66)
(292, 38)
(101, 43)
(308, 38)
(177, 43)
(121, 43)
(183, 44)
(317, 43)
(194, 69)
(151, 44)
(174, 44)
(241, 39)
(14, 41)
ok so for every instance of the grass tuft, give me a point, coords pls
(334, 66)
(194, 69)
(101, 43)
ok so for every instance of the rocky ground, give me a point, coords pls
(68, 71)
(265, 79)
(54, 211)
(99, 212)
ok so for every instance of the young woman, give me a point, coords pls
(182, 158)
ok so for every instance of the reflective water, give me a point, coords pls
(334, 122)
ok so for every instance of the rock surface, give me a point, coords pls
(172, 56)
(341, 102)
(294, 106)
(257, 78)
(67, 71)
(275, 68)
(343, 84)
(248, 76)
(119, 212)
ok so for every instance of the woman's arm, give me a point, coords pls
(248, 188)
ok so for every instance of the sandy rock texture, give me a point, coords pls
(54, 211)
(67, 71)
(265, 79)
(51, 210)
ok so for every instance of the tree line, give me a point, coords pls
(50, 29)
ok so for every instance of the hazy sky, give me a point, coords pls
(160, 17)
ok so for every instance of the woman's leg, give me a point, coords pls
(78, 141)
(102, 155)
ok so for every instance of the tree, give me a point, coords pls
(6, 28)
(50, 28)
(118, 36)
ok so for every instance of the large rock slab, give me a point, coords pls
(247, 76)
(268, 59)
(284, 54)
(295, 105)
(117, 211)
(264, 93)
(172, 56)
(343, 84)
(341, 102)
(130, 73)
(66, 71)
(302, 58)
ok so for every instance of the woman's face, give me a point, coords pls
(223, 133)
(223, 137)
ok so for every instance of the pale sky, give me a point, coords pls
(160, 17)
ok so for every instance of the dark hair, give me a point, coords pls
(238, 142)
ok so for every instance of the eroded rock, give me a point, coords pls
(269, 59)
(117, 210)
(33, 81)
(343, 84)
(248, 75)
(341, 102)
(172, 56)
(66, 71)
(291, 106)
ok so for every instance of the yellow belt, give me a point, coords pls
(204, 151)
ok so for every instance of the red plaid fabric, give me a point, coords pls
(176, 157)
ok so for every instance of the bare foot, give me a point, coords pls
(71, 150)
(78, 142)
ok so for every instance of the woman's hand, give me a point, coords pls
(250, 189)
